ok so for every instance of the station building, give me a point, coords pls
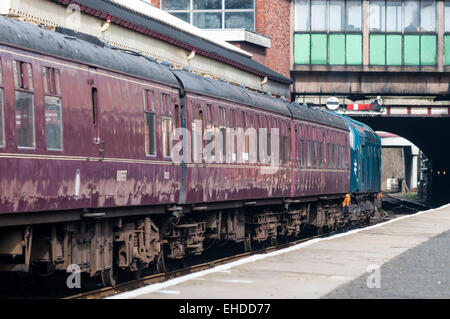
(136, 25)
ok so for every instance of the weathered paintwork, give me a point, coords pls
(103, 164)
(365, 172)
(38, 179)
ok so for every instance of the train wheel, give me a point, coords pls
(274, 241)
(160, 263)
(319, 230)
(109, 277)
(136, 274)
(248, 243)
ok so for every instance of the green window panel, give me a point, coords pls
(447, 50)
(318, 49)
(377, 49)
(428, 50)
(353, 49)
(412, 50)
(337, 49)
(302, 49)
(393, 49)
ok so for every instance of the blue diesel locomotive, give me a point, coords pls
(364, 196)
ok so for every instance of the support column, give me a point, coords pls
(440, 35)
(365, 30)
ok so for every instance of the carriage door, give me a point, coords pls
(95, 108)
(97, 140)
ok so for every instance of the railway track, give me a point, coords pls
(157, 278)
(393, 206)
(402, 206)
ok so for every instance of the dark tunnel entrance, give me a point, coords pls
(432, 136)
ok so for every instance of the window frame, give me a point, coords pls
(403, 34)
(56, 93)
(328, 33)
(30, 90)
(165, 118)
(150, 111)
(2, 101)
(191, 12)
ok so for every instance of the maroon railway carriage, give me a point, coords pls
(87, 175)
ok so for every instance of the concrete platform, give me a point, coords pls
(405, 257)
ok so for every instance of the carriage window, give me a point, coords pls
(94, 105)
(285, 149)
(2, 129)
(25, 119)
(165, 103)
(223, 130)
(150, 136)
(53, 122)
(245, 125)
(333, 155)
(210, 113)
(23, 75)
(150, 127)
(330, 155)
(269, 140)
(53, 117)
(300, 152)
(223, 115)
(51, 81)
(320, 154)
(338, 155)
(308, 154)
(149, 100)
(314, 153)
(166, 136)
(197, 137)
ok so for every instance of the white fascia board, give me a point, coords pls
(241, 35)
(144, 8)
(5, 6)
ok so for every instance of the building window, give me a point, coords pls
(447, 32)
(214, 14)
(402, 32)
(328, 32)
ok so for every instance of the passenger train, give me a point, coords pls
(87, 170)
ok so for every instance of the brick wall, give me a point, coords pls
(260, 16)
(272, 18)
(277, 27)
(259, 53)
